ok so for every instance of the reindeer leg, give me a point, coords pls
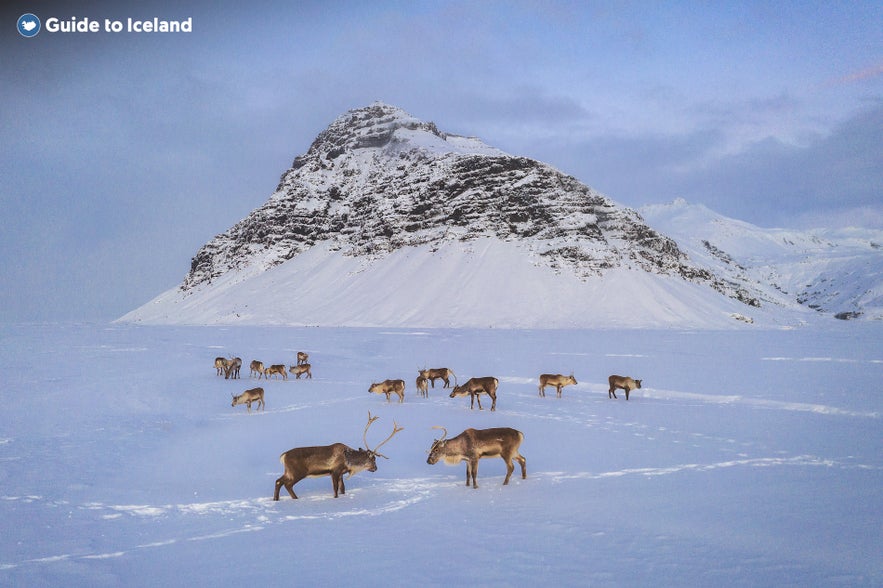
(510, 467)
(523, 463)
(474, 474)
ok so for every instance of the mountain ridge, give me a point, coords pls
(378, 185)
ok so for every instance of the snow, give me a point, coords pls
(834, 270)
(455, 284)
(749, 457)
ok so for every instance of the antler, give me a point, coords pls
(395, 429)
(371, 420)
(444, 434)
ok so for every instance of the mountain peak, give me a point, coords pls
(381, 126)
(380, 184)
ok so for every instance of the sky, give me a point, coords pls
(122, 153)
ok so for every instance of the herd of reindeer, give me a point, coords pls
(338, 459)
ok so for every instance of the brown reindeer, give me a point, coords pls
(474, 387)
(389, 387)
(443, 374)
(422, 387)
(474, 444)
(277, 369)
(623, 382)
(249, 396)
(220, 365)
(299, 369)
(302, 358)
(556, 380)
(231, 372)
(256, 367)
(329, 460)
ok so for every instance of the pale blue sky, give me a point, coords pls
(122, 154)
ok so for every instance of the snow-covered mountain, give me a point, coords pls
(388, 221)
(834, 271)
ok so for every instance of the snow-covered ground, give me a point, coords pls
(456, 284)
(748, 458)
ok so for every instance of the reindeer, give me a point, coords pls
(556, 380)
(231, 372)
(389, 387)
(302, 358)
(301, 368)
(474, 444)
(249, 396)
(624, 382)
(256, 367)
(422, 387)
(277, 369)
(220, 365)
(329, 460)
(443, 374)
(474, 387)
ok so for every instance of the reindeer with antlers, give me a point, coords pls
(329, 460)
(474, 444)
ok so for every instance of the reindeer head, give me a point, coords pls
(438, 447)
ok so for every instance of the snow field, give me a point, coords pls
(747, 458)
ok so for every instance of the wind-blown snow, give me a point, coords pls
(749, 457)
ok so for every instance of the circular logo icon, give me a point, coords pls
(28, 25)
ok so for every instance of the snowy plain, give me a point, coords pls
(750, 457)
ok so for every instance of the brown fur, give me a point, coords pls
(623, 382)
(389, 387)
(231, 372)
(443, 374)
(474, 387)
(473, 444)
(249, 396)
(422, 387)
(275, 370)
(328, 460)
(556, 380)
(299, 369)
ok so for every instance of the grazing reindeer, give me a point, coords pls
(474, 444)
(256, 367)
(277, 369)
(329, 460)
(623, 382)
(474, 387)
(301, 368)
(249, 396)
(556, 380)
(422, 387)
(231, 372)
(302, 358)
(389, 387)
(220, 365)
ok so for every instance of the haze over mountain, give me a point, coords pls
(389, 221)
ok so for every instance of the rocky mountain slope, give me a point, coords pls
(379, 185)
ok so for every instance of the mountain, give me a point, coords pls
(388, 221)
(834, 271)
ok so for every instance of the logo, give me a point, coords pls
(28, 25)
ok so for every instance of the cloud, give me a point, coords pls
(768, 182)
